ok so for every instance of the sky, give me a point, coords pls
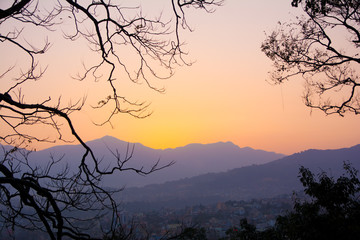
(224, 96)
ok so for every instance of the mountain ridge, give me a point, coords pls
(109, 137)
(255, 181)
(190, 160)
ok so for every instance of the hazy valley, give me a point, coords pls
(202, 173)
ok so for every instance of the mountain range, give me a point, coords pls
(189, 161)
(202, 173)
(256, 181)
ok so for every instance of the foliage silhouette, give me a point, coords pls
(192, 233)
(333, 211)
(330, 211)
(322, 47)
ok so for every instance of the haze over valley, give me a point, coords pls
(201, 173)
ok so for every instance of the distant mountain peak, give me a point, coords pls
(190, 160)
(206, 145)
(106, 138)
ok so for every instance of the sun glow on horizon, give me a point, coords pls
(222, 96)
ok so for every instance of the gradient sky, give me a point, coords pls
(223, 96)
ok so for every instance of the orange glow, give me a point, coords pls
(223, 96)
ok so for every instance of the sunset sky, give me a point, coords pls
(223, 96)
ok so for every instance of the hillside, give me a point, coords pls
(255, 181)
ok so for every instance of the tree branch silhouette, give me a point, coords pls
(34, 196)
(322, 47)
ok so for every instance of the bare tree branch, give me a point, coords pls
(311, 47)
(66, 204)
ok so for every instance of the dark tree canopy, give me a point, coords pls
(67, 204)
(322, 46)
(331, 210)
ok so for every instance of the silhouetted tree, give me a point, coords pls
(247, 231)
(192, 233)
(34, 196)
(322, 47)
(332, 212)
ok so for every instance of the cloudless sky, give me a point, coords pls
(223, 96)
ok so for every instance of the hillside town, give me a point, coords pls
(215, 219)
